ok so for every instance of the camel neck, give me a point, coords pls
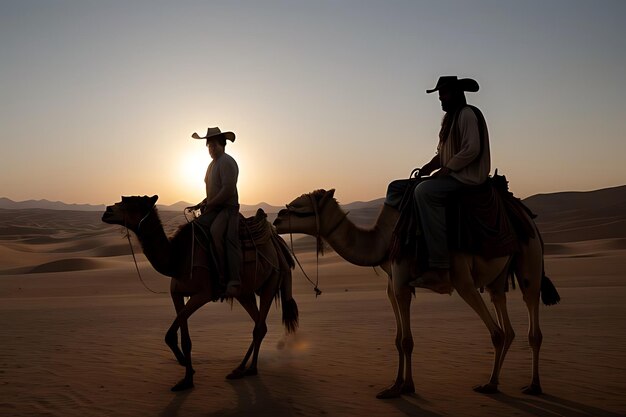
(364, 246)
(156, 246)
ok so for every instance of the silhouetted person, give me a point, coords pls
(462, 159)
(220, 209)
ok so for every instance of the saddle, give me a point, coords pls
(485, 220)
(254, 231)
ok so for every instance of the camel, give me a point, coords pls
(319, 214)
(268, 274)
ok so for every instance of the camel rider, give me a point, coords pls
(220, 209)
(462, 159)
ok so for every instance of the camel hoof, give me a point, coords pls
(237, 373)
(250, 372)
(407, 389)
(487, 389)
(532, 389)
(392, 392)
(183, 384)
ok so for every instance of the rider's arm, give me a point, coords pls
(227, 191)
(229, 173)
(197, 206)
(470, 141)
(432, 165)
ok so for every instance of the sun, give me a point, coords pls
(192, 169)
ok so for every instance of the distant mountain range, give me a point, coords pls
(560, 214)
(6, 203)
(562, 217)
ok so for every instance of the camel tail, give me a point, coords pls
(549, 295)
(289, 306)
(290, 315)
(286, 264)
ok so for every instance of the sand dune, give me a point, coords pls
(83, 337)
(598, 247)
(66, 265)
(600, 229)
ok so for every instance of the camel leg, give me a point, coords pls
(535, 337)
(530, 272)
(393, 390)
(171, 337)
(464, 284)
(499, 301)
(404, 305)
(195, 302)
(402, 295)
(260, 329)
(248, 302)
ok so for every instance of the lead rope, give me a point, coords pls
(193, 248)
(293, 253)
(193, 241)
(132, 251)
(319, 244)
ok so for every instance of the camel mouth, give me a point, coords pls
(108, 213)
(284, 214)
(279, 217)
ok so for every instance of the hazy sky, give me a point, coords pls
(99, 98)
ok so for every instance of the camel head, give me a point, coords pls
(130, 211)
(307, 214)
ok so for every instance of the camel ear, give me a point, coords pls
(154, 199)
(330, 194)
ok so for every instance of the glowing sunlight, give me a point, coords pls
(192, 168)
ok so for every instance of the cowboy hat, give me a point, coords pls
(451, 81)
(214, 133)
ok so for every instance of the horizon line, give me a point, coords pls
(280, 205)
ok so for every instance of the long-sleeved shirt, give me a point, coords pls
(468, 164)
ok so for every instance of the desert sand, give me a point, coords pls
(81, 336)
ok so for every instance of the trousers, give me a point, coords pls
(223, 225)
(430, 197)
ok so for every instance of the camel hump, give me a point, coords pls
(255, 230)
(260, 214)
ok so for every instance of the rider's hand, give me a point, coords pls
(425, 171)
(443, 172)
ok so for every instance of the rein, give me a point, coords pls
(193, 241)
(315, 285)
(132, 251)
(319, 243)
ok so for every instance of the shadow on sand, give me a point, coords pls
(174, 406)
(411, 405)
(551, 406)
(253, 398)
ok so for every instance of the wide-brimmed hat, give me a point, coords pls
(451, 81)
(214, 133)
